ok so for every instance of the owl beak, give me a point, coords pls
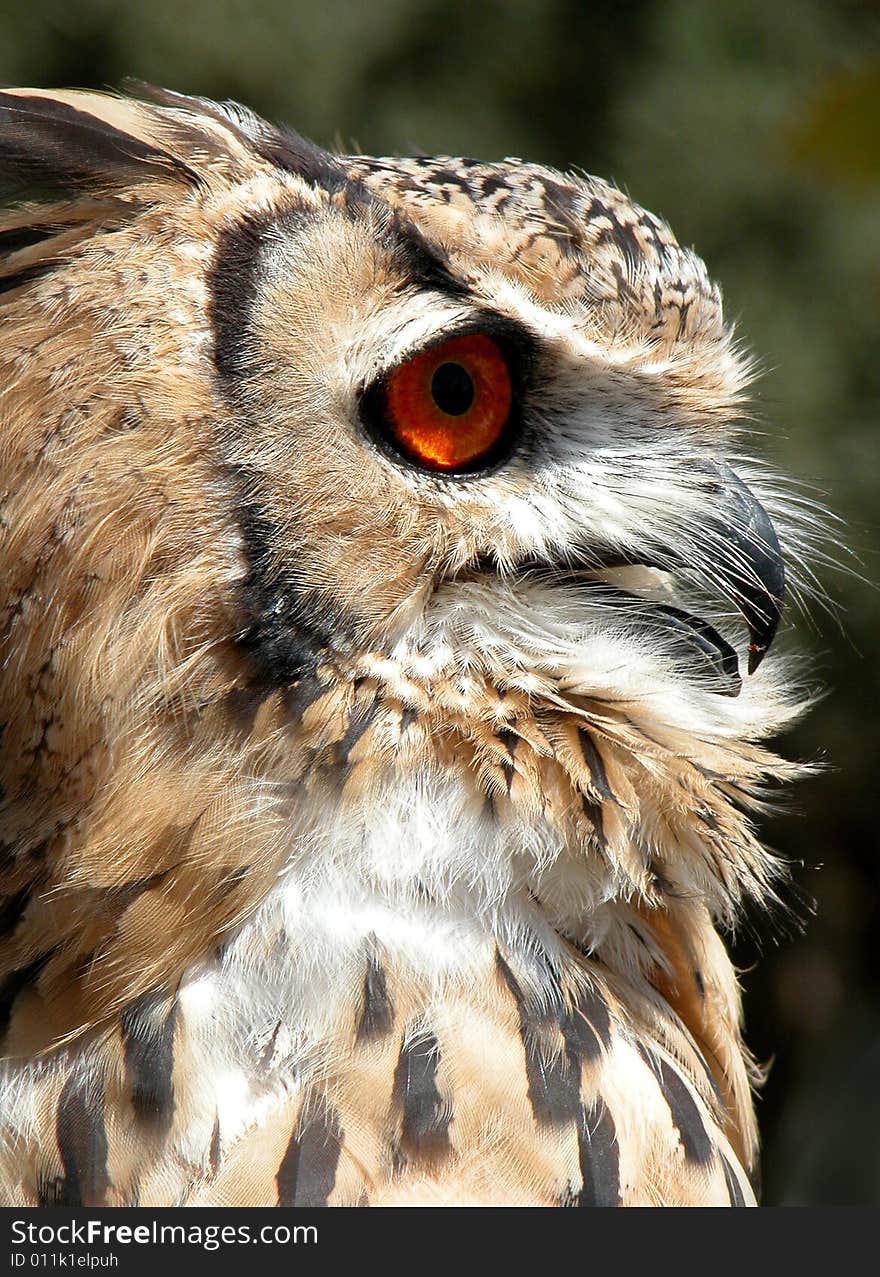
(749, 568)
(743, 563)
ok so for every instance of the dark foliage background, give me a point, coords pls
(754, 127)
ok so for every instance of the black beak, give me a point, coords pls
(745, 566)
(743, 563)
(749, 569)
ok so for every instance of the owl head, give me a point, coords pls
(289, 438)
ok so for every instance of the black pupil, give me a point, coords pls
(452, 389)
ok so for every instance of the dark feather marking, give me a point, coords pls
(581, 1039)
(425, 1126)
(594, 812)
(50, 143)
(49, 1190)
(359, 720)
(599, 1158)
(304, 692)
(15, 983)
(26, 276)
(596, 767)
(12, 909)
(214, 1150)
(269, 1049)
(553, 1074)
(720, 1109)
(734, 1192)
(233, 287)
(288, 1170)
(708, 819)
(563, 205)
(19, 237)
(148, 1026)
(683, 1107)
(425, 263)
(593, 1010)
(661, 881)
(377, 1013)
(510, 740)
(320, 1146)
(233, 879)
(285, 633)
(307, 1173)
(129, 892)
(408, 717)
(295, 154)
(82, 1144)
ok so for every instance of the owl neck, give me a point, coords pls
(360, 807)
(460, 795)
(435, 839)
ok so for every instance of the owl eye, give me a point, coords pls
(449, 408)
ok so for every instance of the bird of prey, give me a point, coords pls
(385, 597)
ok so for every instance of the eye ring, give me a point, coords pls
(450, 409)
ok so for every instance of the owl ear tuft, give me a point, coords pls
(67, 142)
(295, 154)
(281, 146)
(63, 143)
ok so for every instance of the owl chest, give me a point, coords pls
(473, 1087)
(424, 885)
(364, 1040)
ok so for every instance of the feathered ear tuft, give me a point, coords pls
(72, 160)
(282, 147)
(65, 142)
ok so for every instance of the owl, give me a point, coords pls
(386, 604)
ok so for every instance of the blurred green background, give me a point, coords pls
(753, 126)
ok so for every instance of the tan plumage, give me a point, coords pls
(365, 829)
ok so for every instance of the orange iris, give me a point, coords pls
(447, 408)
